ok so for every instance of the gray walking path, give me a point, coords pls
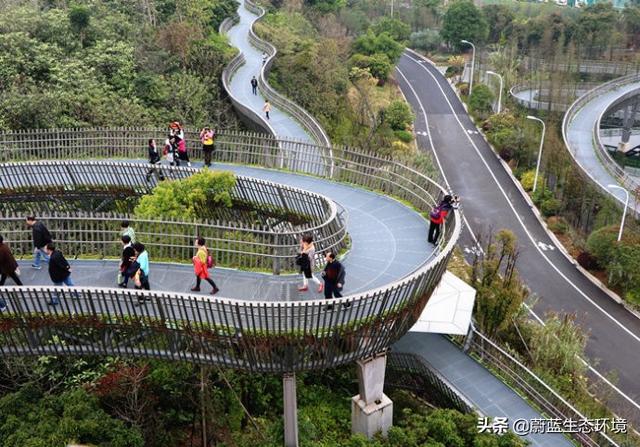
(476, 383)
(581, 144)
(282, 123)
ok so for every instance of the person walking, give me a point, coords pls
(128, 256)
(202, 261)
(8, 266)
(41, 237)
(207, 138)
(333, 275)
(264, 58)
(127, 230)
(155, 160)
(183, 154)
(59, 271)
(254, 85)
(142, 258)
(305, 260)
(266, 108)
(437, 217)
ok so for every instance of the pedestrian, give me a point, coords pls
(264, 58)
(333, 275)
(437, 217)
(266, 108)
(141, 276)
(41, 237)
(183, 154)
(305, 260)
(155, 160)
(59, 271)
(128, 256)
(207, 137)
(202, 261)
(171, 149)
(254, 85)
(8, 266)
(127, 230)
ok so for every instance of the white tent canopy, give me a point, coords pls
(449, 309)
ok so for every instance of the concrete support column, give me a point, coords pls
(290, 410)
(371, 410)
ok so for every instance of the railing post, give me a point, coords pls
(276, 254)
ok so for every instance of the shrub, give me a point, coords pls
(601, 244)
(398, 115)
(527, 179)
(558, 225)
(426, 40)
(506, 154)
(403, 135)
(587, 261)
(550, 207)
(481, 99)
(377, 64)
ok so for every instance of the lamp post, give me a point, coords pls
(626, 205)
(500, 92)
(473, 62)
(544, 128)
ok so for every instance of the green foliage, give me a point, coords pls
(463, 20)
(403, 135)
(550, 207)
(188, 198)
(426, 40)
(398, 115)
(326, 6)
(481, 99)
(397, 29)
(528, 178)
(378, 64)
(370, 44)
(602, 243)
(499, 19)
(29, 418)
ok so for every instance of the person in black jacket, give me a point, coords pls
(155, 160)
(41, 237)
(333, 275)
(59, 270)
(128, 256)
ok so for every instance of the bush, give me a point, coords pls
(427, 40)
(378, 64)
(558, 225)
(587, 261)
(550, 207)
(481, 99)
(398, 115)
(601, 244)
(403, 135)
(527, 179)
(506, 154)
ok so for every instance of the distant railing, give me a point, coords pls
(534, 102)
(535, 389)
(601, 152)
(234, 244)
(253, 335)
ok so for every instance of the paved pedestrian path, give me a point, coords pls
(283, 125)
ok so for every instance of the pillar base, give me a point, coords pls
(373, 418)
(623, 147)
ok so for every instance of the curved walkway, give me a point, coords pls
(282, 124)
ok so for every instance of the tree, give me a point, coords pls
(370, 44)
(377, 64)
(481, 99)
(595, 28)
(499, 18)
(463, 20)
(398, 30)
(631, 15)
(427, 40)
(80, 19)
(398, 115)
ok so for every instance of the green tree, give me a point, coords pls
(499, 19)
(631, 16)
(370, 44)
(377, 64)
(398, 30)
(463, 20)
(427, 40)
(80, 19)
(481, 99)
(188, 198)
(595, 28)
(398, 115)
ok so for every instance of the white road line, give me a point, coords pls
(623, 327)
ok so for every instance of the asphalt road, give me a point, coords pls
(491, 201)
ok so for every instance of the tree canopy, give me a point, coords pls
(464, 21)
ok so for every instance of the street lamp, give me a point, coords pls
(473, 62)
(500, 92)
(544, 128)
(626, 205)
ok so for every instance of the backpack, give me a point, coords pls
(435, 212)
(210, 262)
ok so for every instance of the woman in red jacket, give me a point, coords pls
(437, 216)
(201, 268)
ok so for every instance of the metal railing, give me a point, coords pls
(516, 374)
(252, 335)
(268, 246)
(601, 152)
(534, 102)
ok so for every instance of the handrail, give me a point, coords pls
(513, 369)
(600, 150)
(254, 335)
(535, 103)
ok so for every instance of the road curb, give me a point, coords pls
(595, 281)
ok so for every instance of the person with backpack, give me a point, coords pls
(141, 274)
(254, 85)
(128, 256)
(305, 261)
(437, 217)
(154, 159)
(41, 237)
(202, 262)
(59, 271)
(207, 137)
(333, 275)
